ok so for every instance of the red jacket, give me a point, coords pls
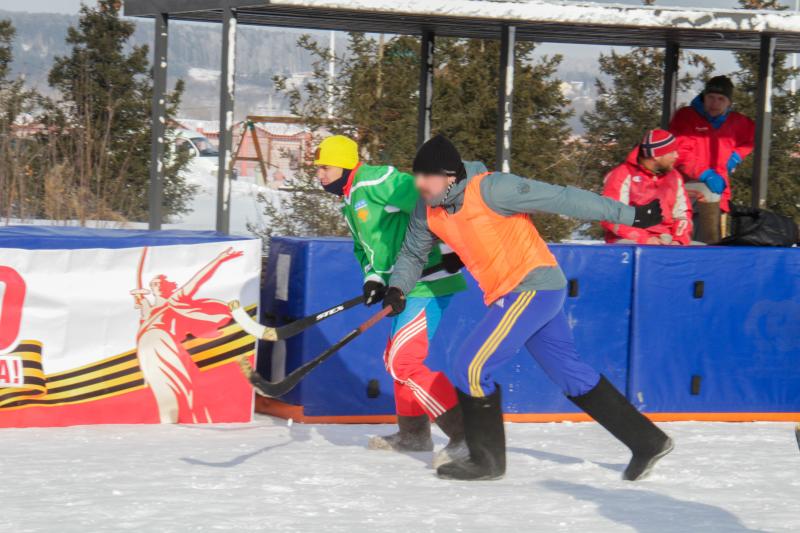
(633, 184)
(703, 147)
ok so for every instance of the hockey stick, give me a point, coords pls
(797, 434)
(267, 333)
(279, 388)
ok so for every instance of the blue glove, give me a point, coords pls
(713, 181)
(733, 162)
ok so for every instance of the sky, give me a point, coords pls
(72, 6)
(42, 6)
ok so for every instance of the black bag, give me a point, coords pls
(757, 227)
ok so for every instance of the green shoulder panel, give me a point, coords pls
(377, 210)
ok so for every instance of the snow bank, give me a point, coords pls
(266, 476)
(204, 74)
(245, 207)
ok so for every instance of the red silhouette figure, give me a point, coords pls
(167, 317)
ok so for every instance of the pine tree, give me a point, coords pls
(783, 189)
(626, 107)
(375, 101)
(7, 33)
(467, 82)
(19, 194)
(373, 98)
(630, 104)
(374, 95)
(103, 114)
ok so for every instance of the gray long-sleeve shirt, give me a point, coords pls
(507, 195)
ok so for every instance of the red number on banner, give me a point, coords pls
(11, 306)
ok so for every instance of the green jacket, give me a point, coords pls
(377, 205)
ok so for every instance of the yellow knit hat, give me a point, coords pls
(337, 151)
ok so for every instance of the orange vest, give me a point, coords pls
(498, 251)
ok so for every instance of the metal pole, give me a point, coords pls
(331, 73)
(155, 190)
(226, 94)
(506, 99)
(766, 67)
(669, 101)
(793, 83)
(425, 86)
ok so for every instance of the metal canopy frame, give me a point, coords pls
(768, 32)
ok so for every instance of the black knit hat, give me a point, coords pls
(439, 156)
(719, 85)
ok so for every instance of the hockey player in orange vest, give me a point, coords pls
(485, 218)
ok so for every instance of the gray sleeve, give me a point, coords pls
(414, 253)
(508, 194)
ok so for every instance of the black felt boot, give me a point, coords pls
(614, 412)
(452, 424)
(414, 436)
(486, 440)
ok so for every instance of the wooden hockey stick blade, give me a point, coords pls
(267, 333)
(279, 388)
(252, 327)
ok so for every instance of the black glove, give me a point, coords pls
(373, 292)
(648, 215)
(396, 300)
(451, 262)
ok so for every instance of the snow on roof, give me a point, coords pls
(529, 11)
(535, 20)
(199, 125)
(573, 13)
(278, 128)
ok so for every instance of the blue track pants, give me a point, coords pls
(535, 320)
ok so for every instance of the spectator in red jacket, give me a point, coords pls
(713, 141)
(648, 174)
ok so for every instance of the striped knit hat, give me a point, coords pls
(657, 143)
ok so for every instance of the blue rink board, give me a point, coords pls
(740, 341)
(635, 318)
(75, 238)
(323, 272)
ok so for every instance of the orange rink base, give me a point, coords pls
(269, 406)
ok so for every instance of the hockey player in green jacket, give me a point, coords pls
(376, 203)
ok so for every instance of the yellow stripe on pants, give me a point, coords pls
(494, 340)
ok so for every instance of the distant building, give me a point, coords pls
(26, 125)
(284, 148)
(284, 144)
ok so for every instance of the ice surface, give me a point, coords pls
(267, 476)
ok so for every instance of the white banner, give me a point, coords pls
(143, 334)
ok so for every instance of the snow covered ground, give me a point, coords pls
(245, 207)
(246, 210)
(269, 476)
